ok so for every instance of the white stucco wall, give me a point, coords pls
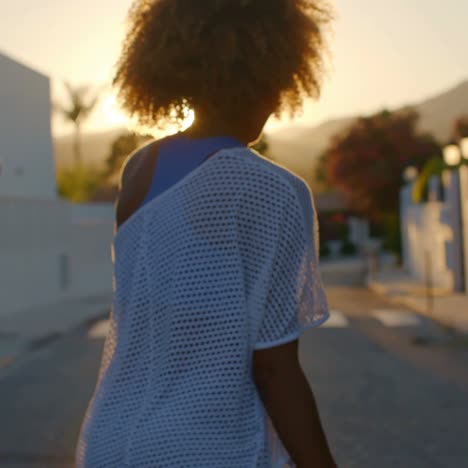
(48, 252)
(26, 150)
(50, 249)
(429, 232)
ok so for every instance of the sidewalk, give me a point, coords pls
(343, 270)
(30, 328)
(449, 309)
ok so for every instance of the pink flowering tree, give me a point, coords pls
(366, 162)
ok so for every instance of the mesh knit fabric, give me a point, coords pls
(223, 262)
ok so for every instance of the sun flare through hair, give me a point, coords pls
(222, 56)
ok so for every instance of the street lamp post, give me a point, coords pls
(453, 190)
(410, 175)
(464, 147)
(464, 206)
(452, 155)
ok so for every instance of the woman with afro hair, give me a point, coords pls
(215, 249)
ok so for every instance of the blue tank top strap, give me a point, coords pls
(178, 155)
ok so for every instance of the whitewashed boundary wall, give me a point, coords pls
(439, 227)
(52, 250)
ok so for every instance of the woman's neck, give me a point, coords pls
(204, 129)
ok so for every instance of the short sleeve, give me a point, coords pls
(295, 296)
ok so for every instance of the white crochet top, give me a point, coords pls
(223, 262)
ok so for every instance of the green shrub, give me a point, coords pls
(392, 233)
(324, 250)
(78, 184)
(434, 166)
(348, 248)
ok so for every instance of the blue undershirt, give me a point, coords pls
(178, 155)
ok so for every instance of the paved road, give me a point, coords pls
(392, 389)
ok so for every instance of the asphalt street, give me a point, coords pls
(391, 386)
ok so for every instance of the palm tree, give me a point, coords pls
(77, 112)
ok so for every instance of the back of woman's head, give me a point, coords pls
(220, 56)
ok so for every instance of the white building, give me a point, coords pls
(50, 249)
(26, 152)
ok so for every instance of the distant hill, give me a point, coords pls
(297, 146)
(94, 146)
(438, 113)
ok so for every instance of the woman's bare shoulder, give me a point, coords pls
(134, 160)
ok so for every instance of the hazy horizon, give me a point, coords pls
(383, 55)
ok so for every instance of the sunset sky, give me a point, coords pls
(384, 53)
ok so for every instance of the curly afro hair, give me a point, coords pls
(219, 55)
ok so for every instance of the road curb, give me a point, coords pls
(456, 322)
